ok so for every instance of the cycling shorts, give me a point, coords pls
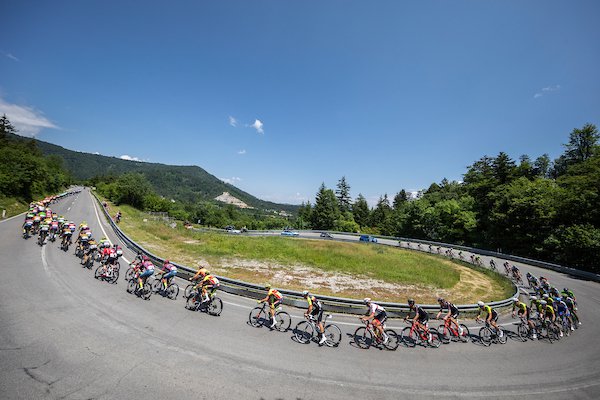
(275, 303)
(170, 274)
(146, 273)
(381, 317)
(317, 313)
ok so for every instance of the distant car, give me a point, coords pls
(289, 233)
(367, 238)
(234, 231)
(326, 235)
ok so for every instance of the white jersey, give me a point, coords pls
(375, 309)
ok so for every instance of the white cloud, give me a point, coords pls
(96, 153)
(129, 158)
(243, 151)
(11, 56)
(231, 180)
(232, 121)
(258, 125)
(27, 120)
(546, 90)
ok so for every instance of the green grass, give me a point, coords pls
(426, 275)
(13, 206)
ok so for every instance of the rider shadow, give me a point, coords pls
(512, 335)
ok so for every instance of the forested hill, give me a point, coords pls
(188, 184)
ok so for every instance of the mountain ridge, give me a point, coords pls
(186, 183)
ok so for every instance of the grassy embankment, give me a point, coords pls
(13, 206)
(326, 267)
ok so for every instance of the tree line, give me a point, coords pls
(25, 173)
(544, 209)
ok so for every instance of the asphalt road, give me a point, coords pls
(66, 335)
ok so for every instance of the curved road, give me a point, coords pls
(65, 335)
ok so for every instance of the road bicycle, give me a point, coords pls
(133, 287)
(306, 331)
(367, 336)
(212, 306)
(493, 265)
(260, 316)
(449, 331)
(65, 242)
(489, 335)
(413, 335)
(169, 289)
(565, 324)
(548, 330)
(108, 272)
(524, 331)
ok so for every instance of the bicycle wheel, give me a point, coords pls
(501, 339)
(129, 273)
(146, 291)
(334, 335)
(131, 286)
(173, 291)
(304, 332)
(191, 303)
(485, 336)
(465, 335)
(257, 317)
(409, 338)
(393, 340)
(435, 338)
(445, 334)
(156, 286)
(89, 263)
(523, 331)
(189, 290)
(98, 272)
(282, 321)
(215, 307)
(554, 332)
(363, 337)
(115, 276)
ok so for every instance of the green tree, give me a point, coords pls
(342, 194)
(582, 144)
(399, 199)
(361, 211)
(326, 210)
(132, 188)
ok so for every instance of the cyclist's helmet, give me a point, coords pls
(515, 300)
(267, 285)
(367, 300)
(533, 298)
(166, 261)
(528, 275)
(557, 299)
(305, 293)
(566, 290)
(480, 303)
(545, 296)
(543, 302)
(411, 302)
(440, 299)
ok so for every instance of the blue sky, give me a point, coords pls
(279, 96)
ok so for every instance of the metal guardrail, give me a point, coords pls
(292, 298)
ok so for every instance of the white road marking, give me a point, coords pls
(44, 262)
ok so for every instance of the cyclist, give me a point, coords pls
(452, 313)
(516, 273)
(492, 264)
(563, 310)
(274, 298)
(491, 317)
(507, 269)
(210, 282)
(89, 252)
(315, 308)
(200, 274)
(378, 315)
(169, 271)
(27, 225)
(44, 228)
(532, 280)
(549, 313)
(421, 318)
(147, 269)
(569, 293)
(524, 312)
(83, 226)
(571, 306)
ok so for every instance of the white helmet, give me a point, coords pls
(367, 300)
(515, 300)
(480, 303)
